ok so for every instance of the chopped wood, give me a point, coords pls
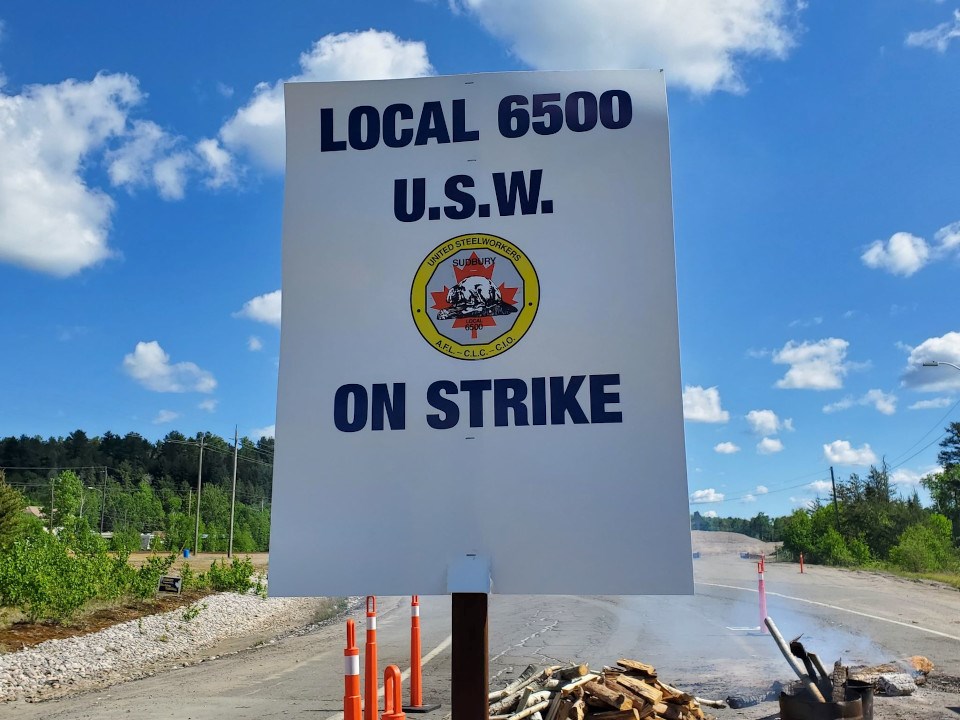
(648, 670)
(647, 692)
(578, 711)
(704, 702)
(569, 687)
(528, 711)
(528, 674)
(630, 691)
(617, 700)
(629, 714)
(572, 672)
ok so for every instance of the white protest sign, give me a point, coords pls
(479, 351)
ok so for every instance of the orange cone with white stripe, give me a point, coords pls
(370, 678)
(416, 674)
(392, 694)
(351, 675)
(416, 665)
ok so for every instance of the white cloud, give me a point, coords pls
(210, 404)
(840, 452)
(225, 90)
(769, 446)
(218, 164)
(703, 405)
(710, 514)
(726, 448)
(165, 416)
(148, 157)
(903, 254)
(806, 323)
(813, 365)
(748, 498)
(254, 344)
(268, 431)
(788, 424)
(763, 422)
(937, 38)
(932, 404)
(945, 348)
(263, 308)
(149, 365)
(761, 490)
(884, 403)
(50, 219)
(701, 44)
(706, 496)
(801, 503)
(904, 476)
(258, 127)
(821, 486)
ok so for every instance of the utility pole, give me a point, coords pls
(836, 507)
(196, 533)
(233, 492)
(53, 480)
(103, 499)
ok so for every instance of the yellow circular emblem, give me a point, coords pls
(474, 296)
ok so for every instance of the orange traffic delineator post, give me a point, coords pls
(416, 673)
(351, 675)
(801, 563)
(392, 694)
(370, 679)
(763, 598)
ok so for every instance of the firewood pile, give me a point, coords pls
(629, 691)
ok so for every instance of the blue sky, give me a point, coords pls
(816, 201)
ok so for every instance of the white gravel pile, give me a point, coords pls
(124, 651)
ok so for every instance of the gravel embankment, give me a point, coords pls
(129, 650)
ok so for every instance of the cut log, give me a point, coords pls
(616, 700)
(648, 670)
(629, 714)
(529, 672)
(671, 712)
(647, 692)
(573, 684)
(563, 711)
(704, 702)
(578, 711)
(572, 672)
(528, 711)
(671, 693)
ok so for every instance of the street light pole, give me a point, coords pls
(938, 363)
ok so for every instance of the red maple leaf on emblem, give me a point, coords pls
(474, 301)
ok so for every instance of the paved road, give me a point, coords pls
(706, 642)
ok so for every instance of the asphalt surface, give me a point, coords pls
(708, 643)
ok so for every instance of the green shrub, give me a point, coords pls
(832, 550)
(234, 577)
(40, 577)
(925, 547)
(146, 578)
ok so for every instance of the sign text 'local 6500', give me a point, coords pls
(399, 125)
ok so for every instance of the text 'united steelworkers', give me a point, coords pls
(579, 399)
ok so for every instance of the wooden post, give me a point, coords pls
(470, 662)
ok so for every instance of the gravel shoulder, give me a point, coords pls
(217, 625)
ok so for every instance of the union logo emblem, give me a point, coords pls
(474, 296)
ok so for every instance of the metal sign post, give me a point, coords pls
(470, 662)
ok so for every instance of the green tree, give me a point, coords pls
(11, 513)
(944, 490)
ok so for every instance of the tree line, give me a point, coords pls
(865, 522)
(127, 485)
